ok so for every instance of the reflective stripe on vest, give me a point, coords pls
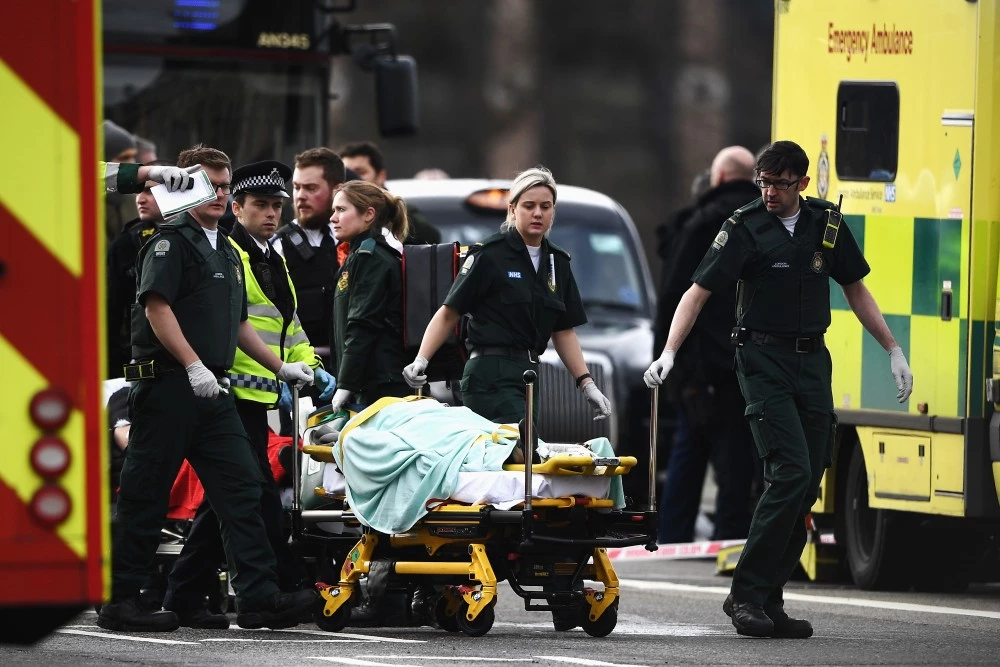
(254, 382)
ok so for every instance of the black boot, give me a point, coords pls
(748, 618)
(786, 627)
(202, 619)
(133, 615)
(281, 610)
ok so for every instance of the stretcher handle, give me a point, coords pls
(529, 378)
(654, 427)
(296, 456)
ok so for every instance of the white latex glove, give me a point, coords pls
(414, 374)
(174, 178)
(657, 371)
(597, 400)
(901, 373)
(203, 381)
(297, 373)
(340, 397)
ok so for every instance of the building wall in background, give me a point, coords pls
(631, 97)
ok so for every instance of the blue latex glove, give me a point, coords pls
(326, 383)
(285, 399)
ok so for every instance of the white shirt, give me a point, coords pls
(265, 247)
(213, 236)
(313, 237)
(789, 222)
(535, 254)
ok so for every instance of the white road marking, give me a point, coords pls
(130, 638)
(808, 597)
(441, 658)
(648, 629)
(347, 635)
(584, 661)
(287, 641)
(355, 661)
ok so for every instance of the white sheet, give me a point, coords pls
(502, 489)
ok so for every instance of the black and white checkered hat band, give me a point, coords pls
(272, 180)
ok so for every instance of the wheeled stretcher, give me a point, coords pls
(547, 538)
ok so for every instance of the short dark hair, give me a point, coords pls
(781, 156)
(366, 149)
(203, 155)
(333, 167)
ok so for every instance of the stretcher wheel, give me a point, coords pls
(444, 621)
(603, 626)
(478, 627)
(334, 623)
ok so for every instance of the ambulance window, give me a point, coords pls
(867, 130)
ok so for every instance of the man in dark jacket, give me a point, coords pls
(703, 386)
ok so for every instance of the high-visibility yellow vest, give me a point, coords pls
(251, 381)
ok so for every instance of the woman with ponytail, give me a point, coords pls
(368, 298)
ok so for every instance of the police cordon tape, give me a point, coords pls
(687, 550)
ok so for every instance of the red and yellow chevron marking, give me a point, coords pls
(51, 295)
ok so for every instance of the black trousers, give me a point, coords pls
(169, 424)
(196, 568)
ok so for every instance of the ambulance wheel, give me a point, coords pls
(877, 540)
(334, 623)
(478, 627)
(444, 621)
(603, 626)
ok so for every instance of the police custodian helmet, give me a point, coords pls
(262, 178)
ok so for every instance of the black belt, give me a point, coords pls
(800, 344)
(509, 352)
(150, 369)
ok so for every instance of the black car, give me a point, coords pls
(617, 292)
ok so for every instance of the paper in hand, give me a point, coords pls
(175, 203)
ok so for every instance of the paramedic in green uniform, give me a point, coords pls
(520, 291)
(189, 316)
(130, 178)
(368, 299)
(775, 248)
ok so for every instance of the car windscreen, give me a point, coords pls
(605, 263)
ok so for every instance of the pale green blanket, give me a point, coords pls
(409, 453)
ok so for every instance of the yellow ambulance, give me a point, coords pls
(897, 103)
(54, 544)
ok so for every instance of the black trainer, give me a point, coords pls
(133, 615)
(281, 610)
(202, 619)
(748, 618)
(786, 627)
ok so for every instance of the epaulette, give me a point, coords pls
(489, 240)
(820, 204)
(367, 246)
(738, 215)
(171, 226)
(556, 249)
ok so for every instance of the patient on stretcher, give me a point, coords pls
(399, 456)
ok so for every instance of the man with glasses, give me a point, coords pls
(189, 316)
(782, 250)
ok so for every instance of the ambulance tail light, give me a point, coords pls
(50, 505)
(50, 457)
(50, 409)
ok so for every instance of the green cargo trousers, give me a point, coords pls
(170, 424)
(493, 387)
(790, 410)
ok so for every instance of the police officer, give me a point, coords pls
(520, 291)
(368, 302)
(308, 245)
(258, 196)
(783, 250)
(190, 315)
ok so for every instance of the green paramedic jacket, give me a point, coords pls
(204, 287)
(368, 316)
(288, 341)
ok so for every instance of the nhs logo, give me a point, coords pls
(513, 274)
(890, 193)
